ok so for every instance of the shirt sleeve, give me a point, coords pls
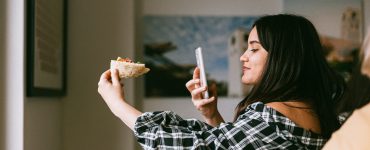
(166, 130)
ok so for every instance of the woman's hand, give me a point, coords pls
(111, 89)
(207, 107)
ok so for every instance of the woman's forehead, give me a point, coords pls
(253, 37)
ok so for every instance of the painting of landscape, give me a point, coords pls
(169, 43)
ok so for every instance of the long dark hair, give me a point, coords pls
(296, 69)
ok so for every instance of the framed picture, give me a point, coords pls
(46, 48)
(169, 51)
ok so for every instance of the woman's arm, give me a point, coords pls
(112, 92)
(215, 120)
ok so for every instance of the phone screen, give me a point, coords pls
(200, 64)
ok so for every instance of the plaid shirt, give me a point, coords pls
(258, 127)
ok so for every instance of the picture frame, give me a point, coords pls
(169, 42)
(46, 53)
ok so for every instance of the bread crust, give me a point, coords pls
(128, 70)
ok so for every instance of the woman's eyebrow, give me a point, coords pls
(252, 42)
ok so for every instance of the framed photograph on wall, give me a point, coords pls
(169, 43)
(46, 48)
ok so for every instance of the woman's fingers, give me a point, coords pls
(200, 103)
(195, 82)
(196, 75)
(105, 77)
(115, 78)
(191, 84)
(196, 93)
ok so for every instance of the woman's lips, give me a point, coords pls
(245, 68)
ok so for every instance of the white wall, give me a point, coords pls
(29, 123)
(98, 32)
(183, 106)
(12, 83)
(20, 127)
(324, 14)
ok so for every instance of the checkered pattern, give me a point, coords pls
(259, 127)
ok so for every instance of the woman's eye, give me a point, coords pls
(253, 50)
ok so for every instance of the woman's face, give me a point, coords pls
(253, 60)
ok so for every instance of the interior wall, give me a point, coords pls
(211, 7)
(184, 106)
(3, 14)
(43, 124)
(42, 117)
(20, 127)
(367, 15)
(326, 15)
(98, 32)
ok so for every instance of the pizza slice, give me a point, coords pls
(127, 68)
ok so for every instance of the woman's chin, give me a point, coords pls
(248, 81)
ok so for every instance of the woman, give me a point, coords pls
(289, 107)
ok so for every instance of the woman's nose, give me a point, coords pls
(244, 57)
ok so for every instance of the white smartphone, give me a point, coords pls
(200, 64)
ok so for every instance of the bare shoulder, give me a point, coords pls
(300, 113)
